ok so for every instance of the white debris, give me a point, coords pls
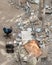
(46, 6)
(38, 30)
(25, 58)
(26, 36)
(19, 35)
(37, 1)
(50, 26)
(19, 24)
(46, 30)
(20, 43)
(15, 41)
(22, 55)
(13, 34)
(29, 29)
(10, 42)
(38, 39)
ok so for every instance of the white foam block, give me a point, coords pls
(26, 35)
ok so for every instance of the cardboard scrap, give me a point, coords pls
(33, 48)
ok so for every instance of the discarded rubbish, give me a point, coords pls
(33, 48)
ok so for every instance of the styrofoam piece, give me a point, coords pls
(26, 36)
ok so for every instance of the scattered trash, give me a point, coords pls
(32, 47)
(38, 30)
